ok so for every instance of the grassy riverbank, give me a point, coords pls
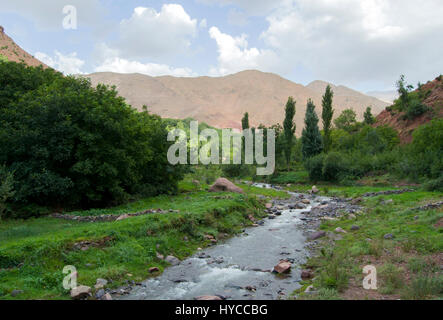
(33, 252)
(408, 265)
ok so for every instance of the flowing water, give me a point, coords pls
(243, 261)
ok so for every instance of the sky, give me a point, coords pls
(363, 44)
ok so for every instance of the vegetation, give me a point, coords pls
(289, 129)
(327, 114)
(311, 138)
(414, 250)
(71, 145)
(368, 117)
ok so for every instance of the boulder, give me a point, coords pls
(154, 269)
(172, 260)
(317, 235)
(306, 274)
(101, 283)
(355, 228)
(100, 294)
(80, 292)
(306, 201)
(389, 236)
(282, 267)
(314, 190)
(268, 205)
(224, 185)
(340, 230)
(107, 296)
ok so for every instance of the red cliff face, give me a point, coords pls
(406, 127)
(12, 52)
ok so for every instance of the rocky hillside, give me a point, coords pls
(221, 102)
(10, 51)
(434, 100)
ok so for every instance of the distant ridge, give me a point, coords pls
(221, 102)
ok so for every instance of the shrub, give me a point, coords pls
(435, 184)
(314, 166)
(334, 166)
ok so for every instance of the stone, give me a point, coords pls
(268, 205)
(388, 236)
(196, 182)
(340, 230)
(16, 293)
(224, 185)
(80, 292)
(101, 283)
(99, 294)
(352, 216)
(123, 217)
(306, 201)
(356, 201)
(172, 260)
(306, 274)
(208, 298)
(282, 267)
(314, 190)
(355, 228)
(160, 256)
(107, 296)
(317, 235)
(154, 269)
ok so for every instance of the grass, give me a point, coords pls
(34, 252)
(416, 245)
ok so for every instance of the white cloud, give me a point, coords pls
(120, 65)
(149, 33)
(357, 41)
(234, 54)
(68, 64)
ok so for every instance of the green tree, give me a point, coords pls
(368, 117)
(347, 120)
(289, 129)
(311, 136)
(6, 188)
(72, 145)
(245, 121)
(327, 114)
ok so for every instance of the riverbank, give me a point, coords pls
(399, 233)
(34, 252)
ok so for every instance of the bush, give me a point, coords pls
(314, 166)
(71, 145)
(434, 185)
(334, 167)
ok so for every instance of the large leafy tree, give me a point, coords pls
(311, 136)
(289, 129)
(73, 145)
(347, 120)
(327, 114)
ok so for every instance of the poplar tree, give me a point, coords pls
(311, 136)
(289, 128)
(327, 114)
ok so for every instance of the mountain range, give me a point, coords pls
(222, 101)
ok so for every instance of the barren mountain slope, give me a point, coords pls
(405, 128)
(12, 52)
(221, 102)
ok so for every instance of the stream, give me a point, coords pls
(240, 268)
